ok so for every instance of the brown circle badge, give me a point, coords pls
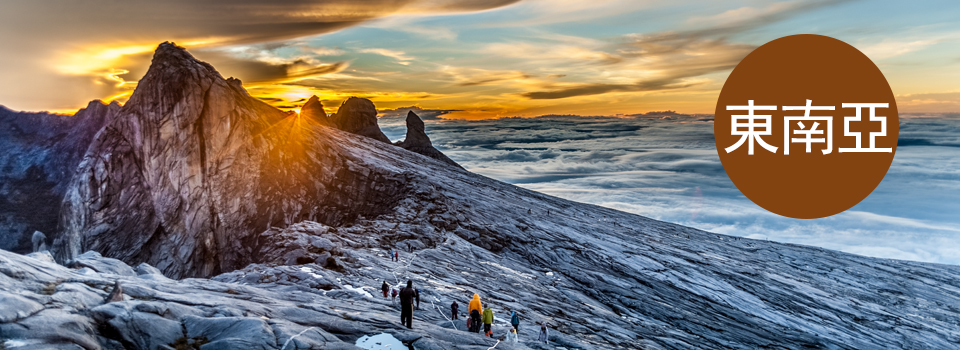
(806, 126)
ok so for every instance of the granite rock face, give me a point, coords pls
(193, 169)
(313, 110)
(359, 116)
(41, 151)
(417, 140)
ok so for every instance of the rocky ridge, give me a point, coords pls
(40, 153)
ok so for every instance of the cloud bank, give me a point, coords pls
(664, 165)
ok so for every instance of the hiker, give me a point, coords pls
(515, 321)
(475, 321)
(475, 305)
(488, 322)
(512, 336)
(394, 295)
(385, 288)
(544, 334)
(453, 310)
(406, 305)
(396, 256)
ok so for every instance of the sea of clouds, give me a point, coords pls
(665, 166)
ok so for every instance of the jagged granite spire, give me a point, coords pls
(194, 169)
(313, 110)
(417, 140)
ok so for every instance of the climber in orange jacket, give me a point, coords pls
(475, 305)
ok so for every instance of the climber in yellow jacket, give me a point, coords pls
(475, 305)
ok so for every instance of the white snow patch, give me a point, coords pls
(380, 341)
(549, 273)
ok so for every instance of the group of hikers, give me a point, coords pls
(478, 316)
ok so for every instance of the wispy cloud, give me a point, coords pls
(400, 56)
(112, 37)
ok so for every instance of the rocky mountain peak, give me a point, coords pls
(417, 140)
(194, 168)
(416, 135)
(313, 110)
(359, 116)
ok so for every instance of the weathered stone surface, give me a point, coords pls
(146, 269)
(417, 140)
(232, 332)
(42, 255)
(55, 329)
(103, 264)
(358, 116)
(16, 307)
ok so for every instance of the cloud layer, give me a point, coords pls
(665, 166)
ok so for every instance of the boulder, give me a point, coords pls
(39, 241)
(146, 269)
(101, 264)
(116, 294)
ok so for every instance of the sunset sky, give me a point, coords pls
(477, 58)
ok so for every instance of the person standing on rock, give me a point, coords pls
(385, 288)
(474, 310)
(512, 336)
(544, 333)
(488, 322)
(394, 296)
(396, 256)
(515, 321)
(453, 310)
(475, 321)
(406, 304)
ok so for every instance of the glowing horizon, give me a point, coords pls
(480, 59)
